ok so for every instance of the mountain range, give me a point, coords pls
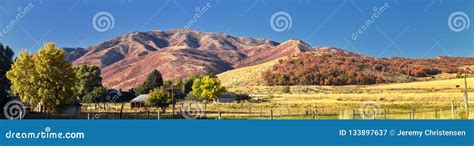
(126, 60)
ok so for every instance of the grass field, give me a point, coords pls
(437, 99)
(428, 99)
(416, 100)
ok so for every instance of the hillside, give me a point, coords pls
(252, 75)
(246, 76)
(127, 59)
(342, 68)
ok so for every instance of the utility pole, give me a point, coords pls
(466, 98)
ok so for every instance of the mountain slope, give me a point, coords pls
(345, 68)
(246, 76)
(252, 75)
(127, 59)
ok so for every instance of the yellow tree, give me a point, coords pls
(55, 80)
(21, 76)
(48, 78)
(207, 88)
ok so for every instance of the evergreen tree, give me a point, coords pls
(6, 57)
(153, 80)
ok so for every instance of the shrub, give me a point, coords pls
(285, 89)
(159, 97)
(240, 97)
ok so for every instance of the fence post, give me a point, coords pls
(147, 114)
(121, 110)
(220, 115)
(466, 98)
(452, 108)
(385, 113)
(250, 107)
(159, 114)
(375, 115)
(413, 113)
(353, 114)
(436, 114)
(88, 116)
(271, 114)
(314, 115)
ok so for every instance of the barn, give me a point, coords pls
(138, 101)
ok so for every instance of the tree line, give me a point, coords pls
(45, 78)
(162, 93)
(353, 69)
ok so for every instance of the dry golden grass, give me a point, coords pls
(430, 99)
(246, 76)
(436, 84)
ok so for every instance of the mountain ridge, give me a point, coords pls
(126, 59)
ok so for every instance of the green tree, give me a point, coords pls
(6, 58)
(167, 83)
(96, 95)
(207, 88)
(46, 77)
(240, 97)
(159, 97)
(177, 83)
(187, 84)
(153, 80)
(88, 78)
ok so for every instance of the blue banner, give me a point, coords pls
(237, 132)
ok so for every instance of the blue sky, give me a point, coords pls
(406, 28)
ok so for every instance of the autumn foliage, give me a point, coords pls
(343, 68)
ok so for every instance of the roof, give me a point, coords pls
(226, 95)
(140, 98)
